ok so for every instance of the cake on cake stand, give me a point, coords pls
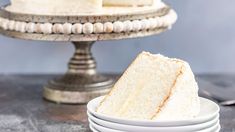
(82, 82)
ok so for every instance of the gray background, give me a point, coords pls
(203, 35)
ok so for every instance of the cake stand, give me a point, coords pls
(81, 83)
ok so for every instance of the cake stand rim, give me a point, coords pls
(90, 37)
(81, 18)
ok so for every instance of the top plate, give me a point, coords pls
(208, 111)
(131, 128)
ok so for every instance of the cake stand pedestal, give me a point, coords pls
(82, 83)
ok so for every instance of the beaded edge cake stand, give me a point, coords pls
(81, 83)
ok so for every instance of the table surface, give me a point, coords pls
(22, 108)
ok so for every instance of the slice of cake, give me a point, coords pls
(153, 87)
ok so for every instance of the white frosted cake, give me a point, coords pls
(72, 6)
(128, 2)
(154, 87)
(55, 6)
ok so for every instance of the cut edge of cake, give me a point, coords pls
(183, 102)
(168, 96)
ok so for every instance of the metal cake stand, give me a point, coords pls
(81, 83)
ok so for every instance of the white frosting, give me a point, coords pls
(98, 28)
(108, 27)
(118, 27)
(82, 7)
(55, 6)
(77, 28)
(87, 28)
(128, 2)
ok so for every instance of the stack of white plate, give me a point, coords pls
(206, 121)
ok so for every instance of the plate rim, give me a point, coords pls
(203, 125)
(153, 123)
(216, 126)
(92, 128)
(95, 125)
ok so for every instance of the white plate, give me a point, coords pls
(215, 128)
(131, 128)
(105, 129)
(101, 128)
(218, 129)
(208, 111)
(93, 129)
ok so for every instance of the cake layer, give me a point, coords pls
(74, 7)
(152, 88)
(184, 101)
(55, 6)
(128, 2)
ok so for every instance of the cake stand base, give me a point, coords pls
(81, 83)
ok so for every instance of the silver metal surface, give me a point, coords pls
(81, 37)
(221, 96)
(81, 83)
(208, 95)
(228, 103)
